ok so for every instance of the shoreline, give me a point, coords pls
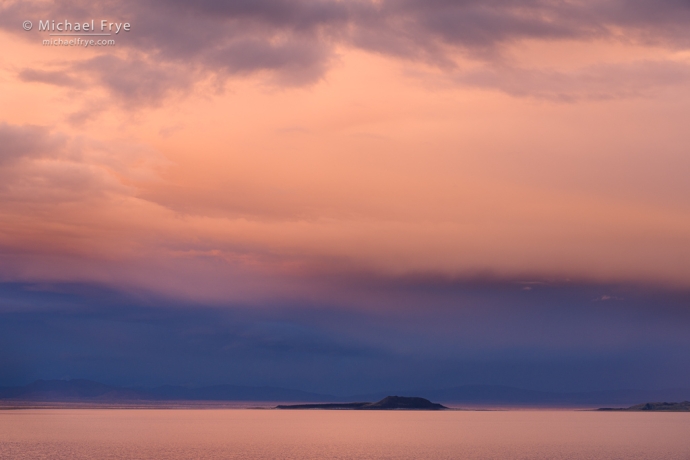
(261, 405)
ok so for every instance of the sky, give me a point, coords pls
(345, 196)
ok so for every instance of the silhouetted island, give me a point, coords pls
(655, 407)
(387, 403)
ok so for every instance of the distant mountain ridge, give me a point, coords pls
(81, 390)
(655, 407)
(87, 390)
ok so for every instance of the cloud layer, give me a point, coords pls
(295, 43)
(273, 142)
(553, 337)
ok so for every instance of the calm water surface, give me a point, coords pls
(271, 434)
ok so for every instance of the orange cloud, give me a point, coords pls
(497, 155)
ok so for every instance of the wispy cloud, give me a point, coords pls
(598, 82)
(26, 142)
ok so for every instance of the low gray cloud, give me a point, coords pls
(26, 142)
(131, 80)
(40, 167)
(51, 77)
(134, 80)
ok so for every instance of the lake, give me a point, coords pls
(273, 434)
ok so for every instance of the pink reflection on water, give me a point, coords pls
(271, 434)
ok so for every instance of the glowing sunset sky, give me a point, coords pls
(270, 153)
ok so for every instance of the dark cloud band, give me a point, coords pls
(294, 41)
